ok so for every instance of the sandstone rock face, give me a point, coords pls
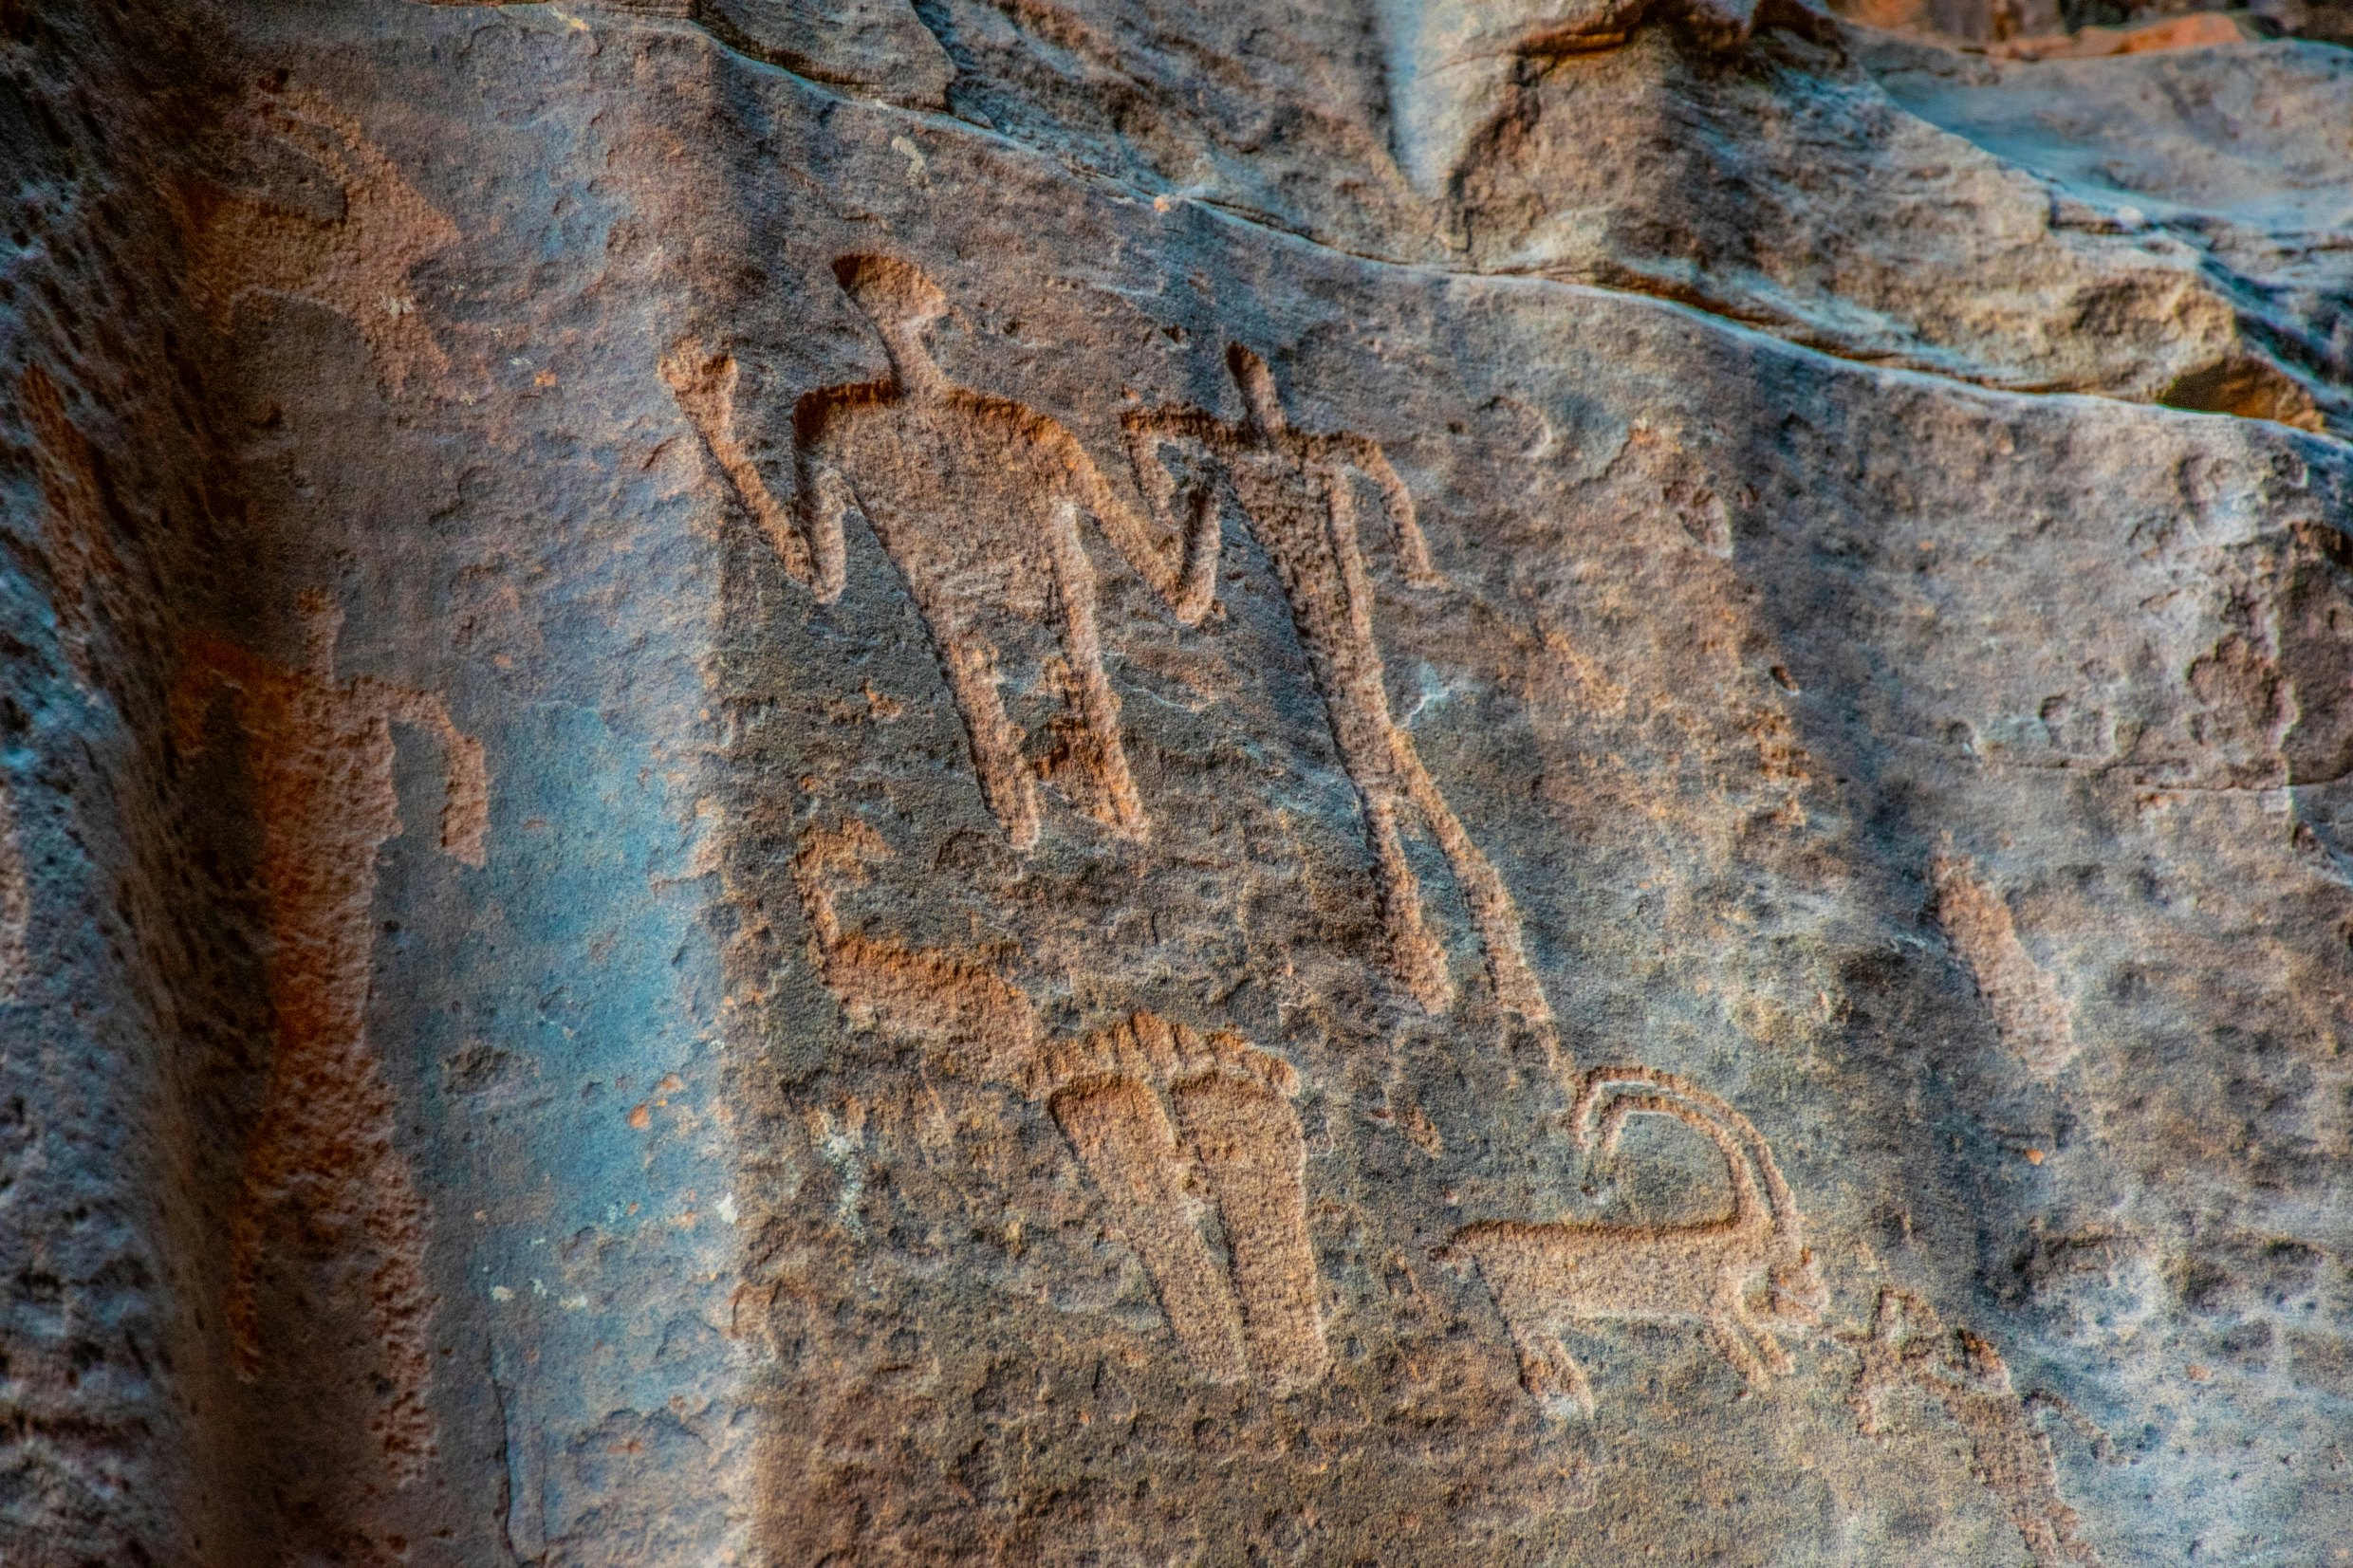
(1077, 782)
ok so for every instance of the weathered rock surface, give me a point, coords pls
(1075, 782)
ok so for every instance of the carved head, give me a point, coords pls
(897, 297)
(1794, 1289)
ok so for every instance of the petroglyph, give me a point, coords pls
(704, 383)
(977, 499)
(1234, 1105)
(1456, 68)
(1246, 1136)
(355, 260)
(1543, 1275)
(1152, 1110)
(2028, 1009)
(324, 1145)
(923, 994)
(1908, 1347)
(15, 900)
(85, 574)
(1123, 1138)
(1296, 490)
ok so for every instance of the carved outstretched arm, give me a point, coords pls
(825, 498)
(1397, 502)
(1192, 588)
(466, 809)
(703, 382)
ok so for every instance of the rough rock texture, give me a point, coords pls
(1093, 781)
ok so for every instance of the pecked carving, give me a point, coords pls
(703, 380)
(356, 262)
(325, 1160)
(1121, 1134)
(2028, 1010)
(976, 498)
(1297, 491)
(85, 574)
(1456, 68)
(1157, 1115)
(1111, 1093)
(923, 994)
(15, 900)
(1909, 1348)
(1543, 1275)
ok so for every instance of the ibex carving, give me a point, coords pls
(1543, 1275)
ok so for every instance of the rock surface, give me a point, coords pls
(1081, 782)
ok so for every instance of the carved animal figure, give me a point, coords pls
(324, 1145)
(355, 260)
(1155, 1112)
(1908, 1347)
(974, 1020)
(1544, 1275)
(976, 498)
(1296, 490)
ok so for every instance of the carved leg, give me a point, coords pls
(256, 1208)
(1492, 908)
(1006, 782)
(1248, 1141)
(1547, 1372)
(1414, 955)
(1768, 1347)
(970, 664)
(1198, 589)
(1728, 1330)
(1105, 756)
(401, 1306)
(1123, 1138)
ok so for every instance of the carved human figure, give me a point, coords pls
(1297, 492)
(977, 500)
(323, 1157)
(1544, 1275)
(1909, 1348)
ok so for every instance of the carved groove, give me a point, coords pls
(85, 574)
(1909, 1347)
(15, 900)
(2028, 1009)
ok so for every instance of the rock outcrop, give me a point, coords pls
(1077, 782)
